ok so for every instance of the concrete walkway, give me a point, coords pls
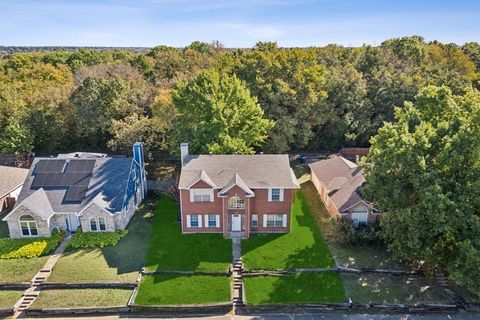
(236, 248)
(32, 293)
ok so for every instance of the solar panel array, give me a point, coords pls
(74, 175)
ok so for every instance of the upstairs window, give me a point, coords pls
(235, 203)
(201, 195)
(275, 194)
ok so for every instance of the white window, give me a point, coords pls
(201, 195)
(236, 203)
(275, 194)
(211, 221)
(254, 220)
(28, 226)
(359, 216)
(194, 221)
(93, 224)
(275, 220)
(101, 224)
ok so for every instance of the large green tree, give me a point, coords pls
(424, 171)
(216, 113)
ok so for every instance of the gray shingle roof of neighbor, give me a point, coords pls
(342, 178)
(11, 178)
(106, 187)
(257, 171)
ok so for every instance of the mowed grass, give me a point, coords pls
(9, 297)
(186, 290)
(77, 298)
(121, 262)
(303, 247)
(169, 249)
(20, 270)
(301, 288)
(375, 288)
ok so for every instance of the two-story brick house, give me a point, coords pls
(239, 194)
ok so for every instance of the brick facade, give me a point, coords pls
(254, 205)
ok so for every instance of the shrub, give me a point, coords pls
(366, 235)
(29, 247)
(96, 239)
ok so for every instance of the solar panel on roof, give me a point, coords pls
(75, 178)
(76, 193)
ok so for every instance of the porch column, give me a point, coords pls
(225, 217)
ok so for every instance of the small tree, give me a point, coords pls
(217, 114)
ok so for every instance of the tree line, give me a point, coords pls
(236, 101)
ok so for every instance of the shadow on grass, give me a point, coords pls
(169, 249)
(302, 247)
(130, 252)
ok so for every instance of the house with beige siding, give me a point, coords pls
(88, 191)
(338, 182)
(11, 182)
(236, 195)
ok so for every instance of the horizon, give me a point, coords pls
(302, 23)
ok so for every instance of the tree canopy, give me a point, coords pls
(423, 170)
(217, 113)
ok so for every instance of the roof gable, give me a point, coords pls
(236, 181)
(256, 171)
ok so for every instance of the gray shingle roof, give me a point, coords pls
(11, 178)
(107, 186)
(342, 178)
(256, 171)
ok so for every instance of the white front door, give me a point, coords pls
(236, 222)
(73, 222)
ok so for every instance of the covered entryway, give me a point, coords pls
(72, 221)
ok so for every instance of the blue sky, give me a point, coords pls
(235, 23)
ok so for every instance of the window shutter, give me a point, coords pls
(264, 217)
(269, 194)
(206, 220)
(217, 221)
(191, 194)
(281, 194)
(211, 195)
(199, 221)
(284, 221)
(188, 221)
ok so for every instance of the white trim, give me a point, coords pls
(264, 218)
(284, 221)
(254, 218)
(280, 195)
(79, 213)
(206, 220)
(199, 220)
(181, 210)
(217, 221)
(6, 194)
(197, 180)
(28, 226)
(361, 201)
(189, 221)
(210, 193)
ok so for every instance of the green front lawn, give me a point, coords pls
(169, 249)
(9, 297)
(20, 270)
(78, 298)
(376, 288)
(180, 289)
(303, 247)
(121, 262)
(302, 288)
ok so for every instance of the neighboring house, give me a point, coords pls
(239, 194)
(337, 181)
(89, 190)
(11, 182)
